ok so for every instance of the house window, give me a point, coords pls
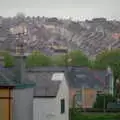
(62, 106)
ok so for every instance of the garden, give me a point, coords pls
(94, 116)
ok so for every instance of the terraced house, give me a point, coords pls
(83, 83)
(51, 94)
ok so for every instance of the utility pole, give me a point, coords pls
(83, 97)
(104, 103)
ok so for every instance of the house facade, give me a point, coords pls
(51, 96)
(83, 83)
(82, 98)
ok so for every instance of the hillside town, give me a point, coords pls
(46, 34)
(33, 86)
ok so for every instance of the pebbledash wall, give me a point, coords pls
(50, 108)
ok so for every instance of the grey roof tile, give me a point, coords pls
(46, 90)
(8, 78)
(45, 87)
(76, 76)
(79, 77)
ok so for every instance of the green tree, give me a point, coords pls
(78, 58)
(8, 59)
(38, 59)
(59, 60)
(109, 58)
(74, 58)
(103, 99)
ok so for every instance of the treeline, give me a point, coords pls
(74, 58)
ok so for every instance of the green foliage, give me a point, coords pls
(116, 69)
(8, 60)
(99, 103)
(94, 116)
(74, 58)
(38, 59)
(109, 58)
(91, 64)
(59, 60)
(78, 58)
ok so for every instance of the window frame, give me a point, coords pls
(62, 106)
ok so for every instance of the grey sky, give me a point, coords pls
(62, 8)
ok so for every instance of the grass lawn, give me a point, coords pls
(95, 116)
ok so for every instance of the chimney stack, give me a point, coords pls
(19, 63)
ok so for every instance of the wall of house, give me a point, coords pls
(63, 94)
(88, 97)
(72, 92)
(50, 108)
(44, 109)
(23, 104)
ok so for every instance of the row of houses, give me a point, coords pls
(44, 93)
(83, 83)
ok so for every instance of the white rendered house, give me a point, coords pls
(51, 99)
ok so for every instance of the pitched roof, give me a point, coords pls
(47, 90)
(77, 76)
(47, 69)
(45, 87)
(8, 79)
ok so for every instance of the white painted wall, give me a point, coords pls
(63, 94)
(50, 108)
(44, 109)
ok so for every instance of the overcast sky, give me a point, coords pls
(82, 9)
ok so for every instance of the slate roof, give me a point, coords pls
(47, 90)
(45, 87)
(9, 79)
(47, 69)
(77, 77)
